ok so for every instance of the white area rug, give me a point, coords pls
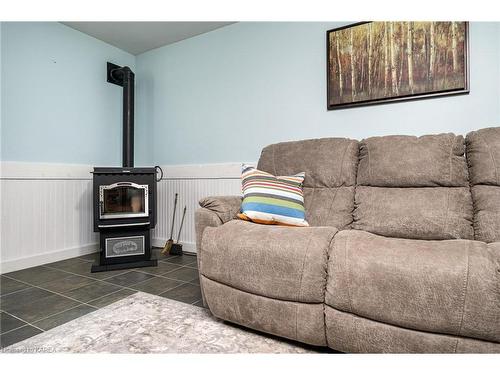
(144, 323)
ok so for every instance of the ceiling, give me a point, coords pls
(139, 37)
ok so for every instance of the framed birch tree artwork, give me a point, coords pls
(379, 62)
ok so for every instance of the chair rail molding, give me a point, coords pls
(12, 170)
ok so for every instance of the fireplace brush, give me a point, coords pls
(168, 244)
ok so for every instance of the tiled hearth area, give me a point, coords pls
(40, 298)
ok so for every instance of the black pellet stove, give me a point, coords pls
(124, 197)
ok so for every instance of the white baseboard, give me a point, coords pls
(40, 259)
(55, 256)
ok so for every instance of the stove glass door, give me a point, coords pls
(123, 200)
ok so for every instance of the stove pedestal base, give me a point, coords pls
(122, 266)
(124, 247)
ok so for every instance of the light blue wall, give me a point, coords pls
(223, 95)
(218, 97)
(56, 103)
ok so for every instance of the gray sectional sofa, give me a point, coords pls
(402, 255)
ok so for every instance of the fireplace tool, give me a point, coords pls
(177, 247)
(169, 243)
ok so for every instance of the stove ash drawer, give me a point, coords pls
(124, 246)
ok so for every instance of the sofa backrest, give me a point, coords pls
(483, 157)
(330, 165)
(431, 187)
(414, 187)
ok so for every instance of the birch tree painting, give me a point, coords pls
(381, 61)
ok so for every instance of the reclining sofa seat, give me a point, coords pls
(389, 263)
(273, 278)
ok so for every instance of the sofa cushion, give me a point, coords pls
(330, 207)
(450, 287)
(408, 161)
(486, 212)
(330, 165)
(350, 333)
(414, 187)
(437, 213)
(272, 261)
(304, 322)
(483, 157)
(327, 162)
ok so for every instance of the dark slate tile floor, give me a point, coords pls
(37, 299)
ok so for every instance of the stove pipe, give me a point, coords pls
(128, 117)
(123, 76)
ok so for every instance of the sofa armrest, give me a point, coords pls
(214, 211)
(225, 207)
(204, 218)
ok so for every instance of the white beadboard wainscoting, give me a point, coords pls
(190, 192)
(46, 213)
(46, 209)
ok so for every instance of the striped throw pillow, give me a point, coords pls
(269, 199)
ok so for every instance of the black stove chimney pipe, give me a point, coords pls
(123, 76)
(128, 117)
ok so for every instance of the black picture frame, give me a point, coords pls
(399, 98)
